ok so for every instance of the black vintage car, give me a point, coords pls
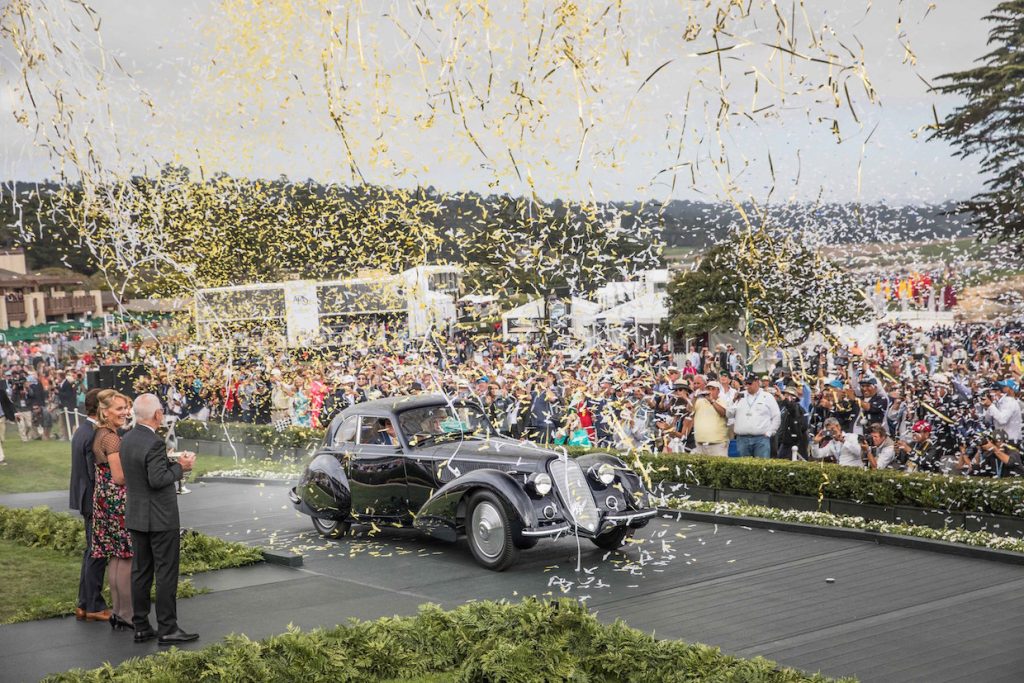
(438, 466)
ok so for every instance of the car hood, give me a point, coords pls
(498, 453)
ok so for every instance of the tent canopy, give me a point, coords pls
(29, 333)
(649, 309)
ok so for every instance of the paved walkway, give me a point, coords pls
(890, 614)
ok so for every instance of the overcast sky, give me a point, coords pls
(246, 95)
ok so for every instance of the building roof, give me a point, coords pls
(10, 278)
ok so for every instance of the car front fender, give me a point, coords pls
(635, 493)
(439, 515)
(323, 490)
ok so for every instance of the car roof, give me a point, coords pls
(387, 407)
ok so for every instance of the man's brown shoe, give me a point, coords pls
(98, 616)
(80, 614)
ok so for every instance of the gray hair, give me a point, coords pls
(828, 423)
(145, 407)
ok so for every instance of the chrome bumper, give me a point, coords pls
(628, 517)
(546, 531)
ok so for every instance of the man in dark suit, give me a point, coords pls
(151, 516)
(67, 398)
(91, 605)
(8, 414)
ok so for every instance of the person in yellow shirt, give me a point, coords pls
(1013, 359)
(710, 429)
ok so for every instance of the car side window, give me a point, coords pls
(346, 433)
(373, 431)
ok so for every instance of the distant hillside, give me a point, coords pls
(26, 210)
(697, 224)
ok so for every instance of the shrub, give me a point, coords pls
(41, 527)
(881, 487)
(886, 487)
(262, 435)
(483, 641)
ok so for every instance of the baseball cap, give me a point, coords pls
(922, 426)
(751, 378)
(714, 384)
(1009, 384)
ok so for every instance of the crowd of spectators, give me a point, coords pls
(945, 400)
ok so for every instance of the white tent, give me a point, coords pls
(526, 318)
(649, 309)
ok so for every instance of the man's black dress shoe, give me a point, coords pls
(143, 636)
(176, 637)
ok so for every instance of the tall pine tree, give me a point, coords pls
(991, 124)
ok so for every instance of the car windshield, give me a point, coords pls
(441, 422)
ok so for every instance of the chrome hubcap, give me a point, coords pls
(327, 524)
(488, 530)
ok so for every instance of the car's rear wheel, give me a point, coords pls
(613, 540)
(330, 528)
(489, 530)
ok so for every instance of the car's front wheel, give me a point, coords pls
(489, 530)
(330, 528)
(613, 540)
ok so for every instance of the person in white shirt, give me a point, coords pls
(843, 448)
(729, 394)
(1004, 411)
(755, 418)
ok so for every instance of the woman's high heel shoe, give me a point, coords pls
(119, 624)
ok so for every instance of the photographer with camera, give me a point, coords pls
(710, 427)
(918, 454)
(835, 445)
(873, 402)
(995, 456)
(793, 427)
(878, 448)
(673, 420)
(1002, 409)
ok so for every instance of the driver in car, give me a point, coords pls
(386, 433)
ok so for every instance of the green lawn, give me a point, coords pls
(46, 465)
(35, 465)
(36, 581)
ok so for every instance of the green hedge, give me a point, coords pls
(240, 432)
(40, 527)
(885, 487)
(483, 641)
(880, 487)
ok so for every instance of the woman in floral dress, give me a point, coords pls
(111, 539)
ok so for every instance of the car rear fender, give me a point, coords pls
(440, 514)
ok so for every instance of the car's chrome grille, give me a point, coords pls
(575, 493)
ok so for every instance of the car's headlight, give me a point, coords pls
(605, 474)
(541, 483)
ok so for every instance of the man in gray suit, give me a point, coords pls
(152, 518)
(90, 604)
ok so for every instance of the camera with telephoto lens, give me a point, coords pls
(991, 437)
